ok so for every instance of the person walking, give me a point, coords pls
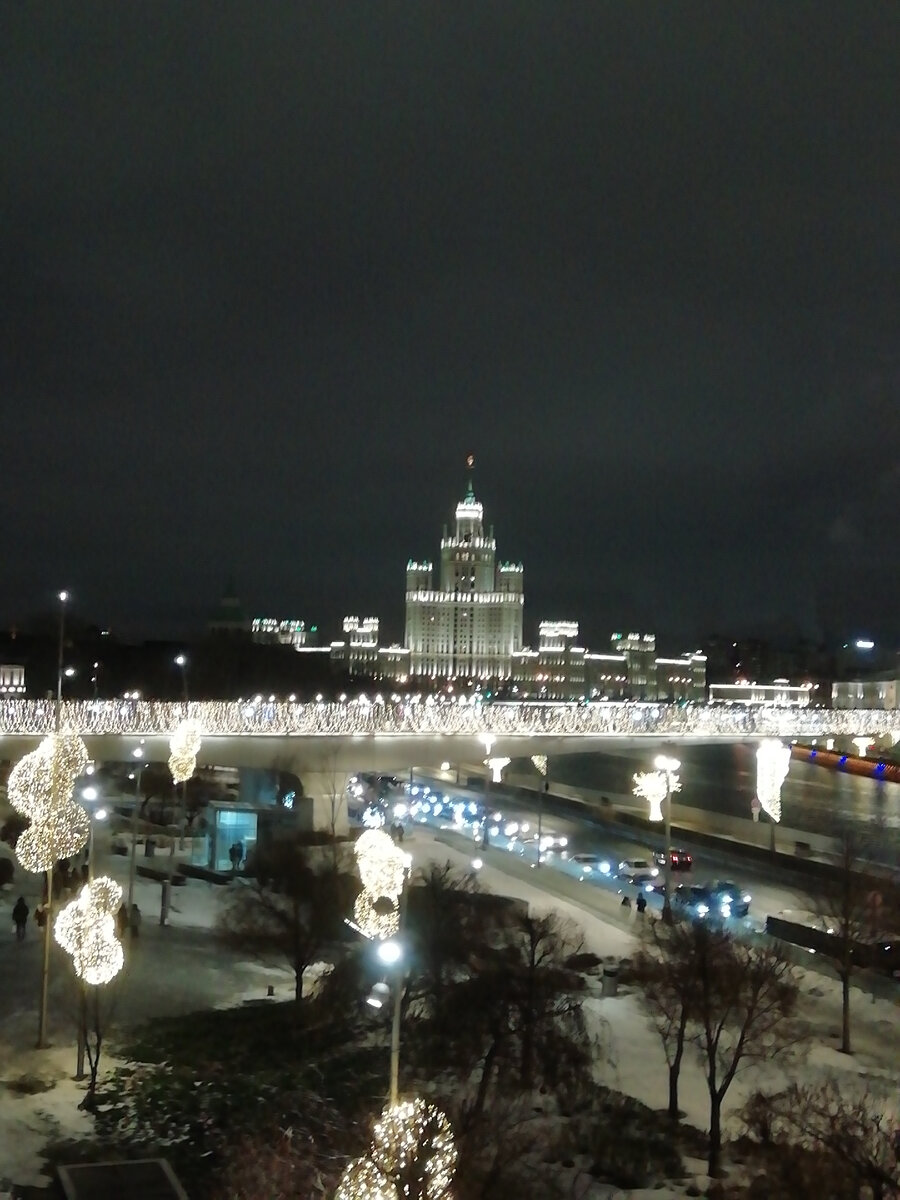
(40, 914)
(20, 918)
(641, 904)
(135, 921)
(122, 920)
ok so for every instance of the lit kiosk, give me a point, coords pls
(471, 625)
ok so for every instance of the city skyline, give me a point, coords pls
(268, 278)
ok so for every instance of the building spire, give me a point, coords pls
(470, 489)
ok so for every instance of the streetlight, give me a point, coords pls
(91, 793)
(137, 753)
(63, 598)
(182, 662)
(540, 761)
(668, 769)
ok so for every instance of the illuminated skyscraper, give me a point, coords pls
(471, 625)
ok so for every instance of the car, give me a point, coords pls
(637, 871)
(680, 859)
(719, 898)
(590, 864)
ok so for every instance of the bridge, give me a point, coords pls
(321, 743)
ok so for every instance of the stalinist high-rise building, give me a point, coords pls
(471, 625)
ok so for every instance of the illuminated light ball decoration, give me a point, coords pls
(773, 759)
(362, 1180)
(40, 787)
(86, 929)
(184, 745)
(382, 869)
(375, 924)
(651, 786)
(412, 1144)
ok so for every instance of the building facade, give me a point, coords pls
(469, 625)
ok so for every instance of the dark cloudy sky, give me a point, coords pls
(270, 270)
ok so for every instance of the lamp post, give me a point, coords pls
(540, 761)
(137, 753)
(90, 793)
(669, 767)
(63, 598)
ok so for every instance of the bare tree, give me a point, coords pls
(847, 902)
(95, 1008)
(290, 912)
(853, 1132)
(445, 927)
(664, 969)
(744, 996)
(521, 1007)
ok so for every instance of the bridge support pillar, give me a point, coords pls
(328, 790)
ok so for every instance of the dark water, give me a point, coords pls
(722, 778)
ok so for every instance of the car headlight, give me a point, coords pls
(586, 868)
(702, 910)
(605, 867)
(746, 897)
(563, 842)
(655, 871)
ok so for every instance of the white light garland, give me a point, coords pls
(651, 785)
(40, 787)
(411, 715)
(362, 1180)
(184, 745)
(540, 762)
(412, 1144)
(773, 760)
(382, 869)
(86, 929)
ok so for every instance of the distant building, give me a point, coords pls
(780, 693)
(867, 693)
(470, 625)
(12, 680)
(228, 619)
(272, 631)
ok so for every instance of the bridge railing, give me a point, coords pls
(428, 717)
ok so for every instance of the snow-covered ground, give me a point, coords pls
(632, 1060)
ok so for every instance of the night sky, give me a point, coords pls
(271, 270)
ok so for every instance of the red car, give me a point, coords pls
(681, 860)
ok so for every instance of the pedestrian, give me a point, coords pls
(626, 902)
(135, 921)
(85, 872)
(40, 914)
(122, 920)
(641, 904)
(236, 853)
(20, 918)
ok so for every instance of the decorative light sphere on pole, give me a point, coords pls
(413, 1143)
(382, 869)
(362, 1180)
(40, 787)
(184, 746)
(86, 929)
(773, 759)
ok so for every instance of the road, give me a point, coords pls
(771, 892)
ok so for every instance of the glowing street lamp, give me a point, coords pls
(657, 787)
